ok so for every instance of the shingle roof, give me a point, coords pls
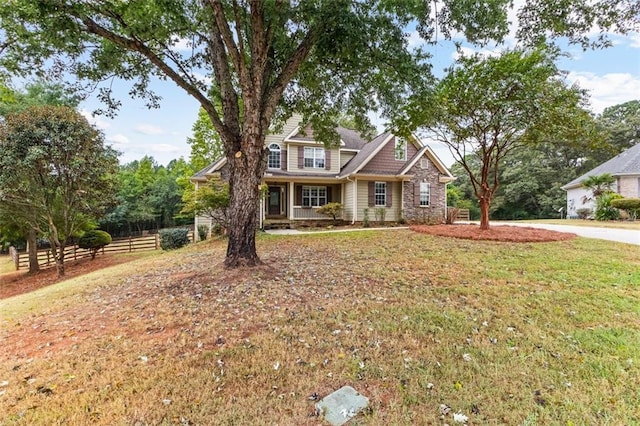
(350, 137)
(625, 163)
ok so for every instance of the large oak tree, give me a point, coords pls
(250, 63)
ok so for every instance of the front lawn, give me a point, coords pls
(503, 333)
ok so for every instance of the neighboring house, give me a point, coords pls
(391, 176)
(625, 167)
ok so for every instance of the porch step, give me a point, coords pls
(276, 225)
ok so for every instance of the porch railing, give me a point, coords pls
(308, 213)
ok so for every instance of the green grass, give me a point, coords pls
(504, 333)
(6, 264)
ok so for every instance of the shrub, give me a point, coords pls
(380, 213)
(604, 210)
(630, 205)
(93, 241)
(365, 218)
(584, 213)
(173, 238)
(203, 232)
(452, 215)
(331, 209)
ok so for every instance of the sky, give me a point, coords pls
(611, 76)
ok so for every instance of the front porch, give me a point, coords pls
(288, 202)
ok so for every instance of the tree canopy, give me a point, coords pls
(250, 63)
(55, 171)
(488, 107)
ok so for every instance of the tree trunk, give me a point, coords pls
(246, 171)
(484, 213)
(32, 248)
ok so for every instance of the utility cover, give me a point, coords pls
(340, 406)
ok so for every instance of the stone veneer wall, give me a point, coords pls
(434, 213)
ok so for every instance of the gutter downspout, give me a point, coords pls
(446, 206)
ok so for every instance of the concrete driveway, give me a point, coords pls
(629, 236)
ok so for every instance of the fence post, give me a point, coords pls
(15, 256)
(130, 244)
(157, 241)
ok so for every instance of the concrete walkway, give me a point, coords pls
(298, 232)
(629, 236)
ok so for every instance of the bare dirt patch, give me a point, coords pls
(514, 234)
(20, 282)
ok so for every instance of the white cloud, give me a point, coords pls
(608, 89)
(163, 147)
(118, 139)
(469, 51)
(95, 120)
(414, 39)
(634, 39)
(149, 129)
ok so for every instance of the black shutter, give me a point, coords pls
(298, 195)
(327, 159)
(301, 157)
(283, 159)
(389, 190)
(372, 194)
(416, 194)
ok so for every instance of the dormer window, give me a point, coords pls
(401, 149)
(273, 161)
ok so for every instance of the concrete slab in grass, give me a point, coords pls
(340, 406)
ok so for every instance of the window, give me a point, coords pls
(401, 149)
(380, 194)
(314, 196)
(274, 156)
(425, 193)
(424, 163)
(314, 157)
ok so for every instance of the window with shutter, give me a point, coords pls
(314, 157)
(314, 196)
(380, 193)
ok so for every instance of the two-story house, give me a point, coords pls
(388, 177)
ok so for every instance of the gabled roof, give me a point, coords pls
(625, 163)
(426, 150)
(368, 151)
(201, 175)
(349, 138)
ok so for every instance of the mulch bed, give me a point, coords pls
(503, 233)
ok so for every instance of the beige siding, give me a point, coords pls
(391, 213)
(347, 200)
(629, 186)
(345, 156)
(292, 160)
(288, 127)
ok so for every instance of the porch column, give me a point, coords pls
(291, 199)
(355, 200)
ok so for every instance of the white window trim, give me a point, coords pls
(376, 194)
(318, 197)
(316, 155)
(397, 151)
(279, 151)
(428, 193)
